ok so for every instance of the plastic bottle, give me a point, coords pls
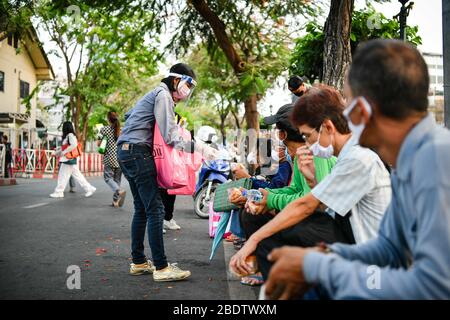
(252, 195)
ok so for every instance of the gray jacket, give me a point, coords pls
(157, 105)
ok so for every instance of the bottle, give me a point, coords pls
(252, 195)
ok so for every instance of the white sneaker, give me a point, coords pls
(170, 273)
(57, 195)
(164, 231)
(143, 268)
(90, 192)
(171, 225)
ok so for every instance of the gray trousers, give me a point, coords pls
(112, 178)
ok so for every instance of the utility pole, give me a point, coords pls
(402, 17)
(446, 51)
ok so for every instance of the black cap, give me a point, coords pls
(295, 82)
(281, 117)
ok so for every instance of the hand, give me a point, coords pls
(286, 279)
(237, 198)
(305, 161)
(240, 172)
(238, 263)
(260, 207)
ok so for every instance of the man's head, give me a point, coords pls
(387, 89)
(180, 81)
(4, 139)
(319, 118)
(296, 85)
(286, 131)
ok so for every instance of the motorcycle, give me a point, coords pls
(212, 173)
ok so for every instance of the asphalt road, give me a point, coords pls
(41, 237)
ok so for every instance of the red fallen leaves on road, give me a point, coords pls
(105, 279)
(87, 261)
(100, 251)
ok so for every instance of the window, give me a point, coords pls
(13, 40)
(2, 81)
(24, 89)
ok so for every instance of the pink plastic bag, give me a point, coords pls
(214, 218)
(173, 166)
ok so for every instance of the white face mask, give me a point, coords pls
(275, 156)
(358, 129)
(322, 152)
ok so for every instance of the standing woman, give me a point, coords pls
(68, 167)
(112, 173)
(135, 152)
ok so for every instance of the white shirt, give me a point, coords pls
(358, 182)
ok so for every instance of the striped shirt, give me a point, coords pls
(358, 182)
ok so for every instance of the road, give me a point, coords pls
(41, 237)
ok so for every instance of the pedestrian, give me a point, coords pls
(69, 167)
(8, 157)
(297, 85)
(112, 174)
(135, 153)
(169, 205)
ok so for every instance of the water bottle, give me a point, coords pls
(252, 195)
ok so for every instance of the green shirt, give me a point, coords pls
(281, 197)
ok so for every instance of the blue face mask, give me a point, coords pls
(286, 153)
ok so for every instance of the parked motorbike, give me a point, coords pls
(212, 173)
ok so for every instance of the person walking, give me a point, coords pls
(112, 174)
(69, 167)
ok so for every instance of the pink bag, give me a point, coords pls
(214, 218)
(173, 166)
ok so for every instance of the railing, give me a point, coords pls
(39, 163)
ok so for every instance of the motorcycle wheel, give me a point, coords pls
(201, 206)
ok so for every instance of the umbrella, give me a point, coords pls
(220, 231)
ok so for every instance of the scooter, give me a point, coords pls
(212, 173)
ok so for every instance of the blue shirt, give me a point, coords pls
(278, 180)
(410, 257)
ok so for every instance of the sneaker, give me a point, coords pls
(121, 200)
(72, 190)
(90, 192)
(164, 231)
(170, 273)
(171, 225)
(57, 195)
(115, 204)
(143, 268)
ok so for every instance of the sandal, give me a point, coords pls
(231, 238)
(254, 280)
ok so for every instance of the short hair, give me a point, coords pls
(5, 138)
(392, 74)
(318, 104)
(295, 82)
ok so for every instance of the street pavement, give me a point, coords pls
(41, 237)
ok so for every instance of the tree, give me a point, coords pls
(251, 34)
(15, 17)
(307, 57)
(101, 50)
(337, 51)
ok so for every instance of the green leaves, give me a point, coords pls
(307, 56)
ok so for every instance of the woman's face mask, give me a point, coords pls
(320, 151)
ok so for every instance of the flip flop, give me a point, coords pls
(258, 280)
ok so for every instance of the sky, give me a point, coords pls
(427, 14)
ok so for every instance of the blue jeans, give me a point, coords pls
(139, 169)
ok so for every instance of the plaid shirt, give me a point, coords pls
(110, 158)
(359, 182)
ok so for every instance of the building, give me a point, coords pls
(435, 63)
(23, 64)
